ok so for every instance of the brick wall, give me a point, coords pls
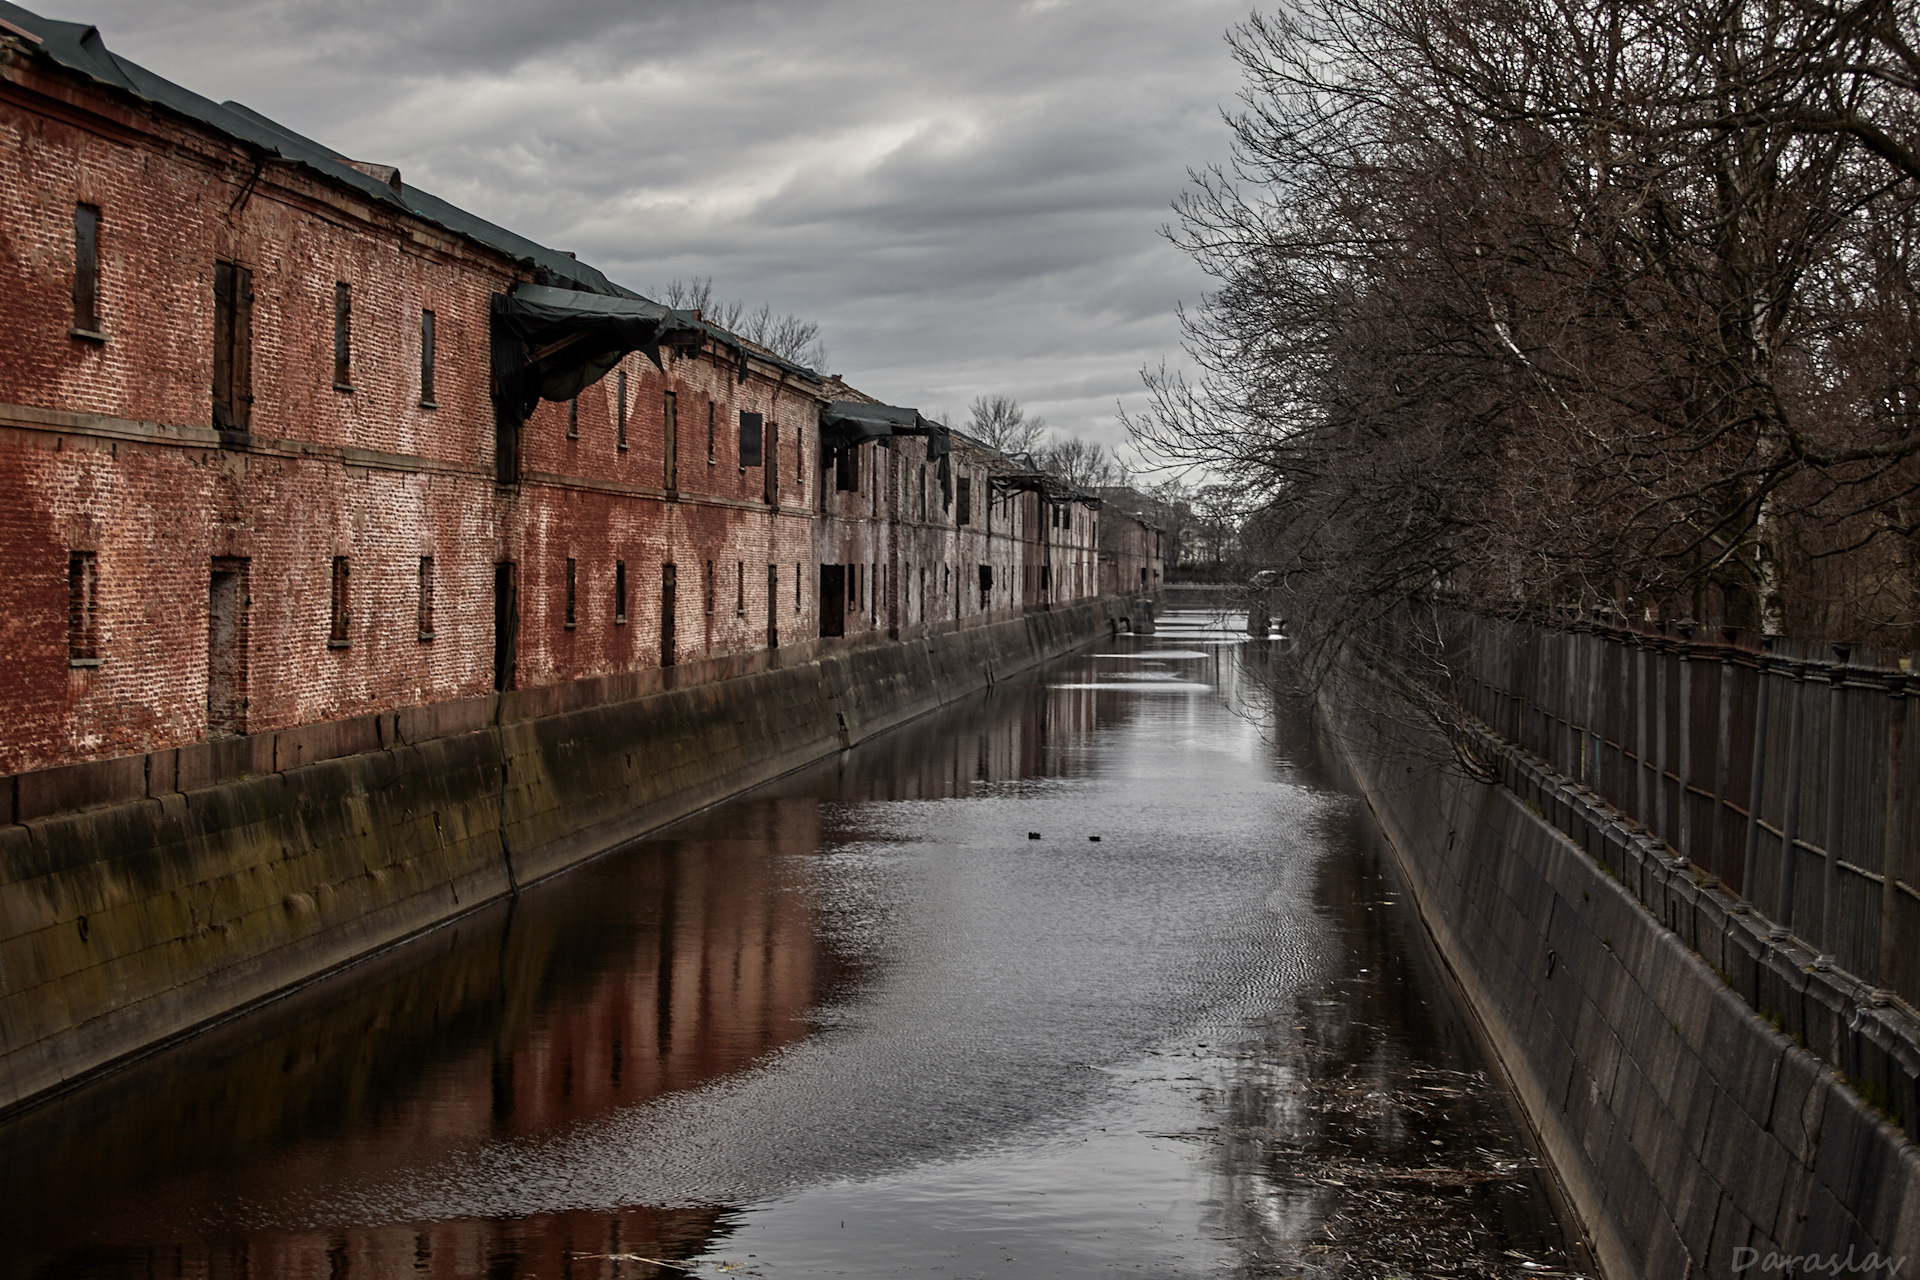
(108, 445)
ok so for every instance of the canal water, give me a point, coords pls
(1099, 973)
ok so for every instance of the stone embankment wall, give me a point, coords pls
(249, 867)
(1687, 1077)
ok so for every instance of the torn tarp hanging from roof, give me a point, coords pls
(1053, 490)
(552, 344)
(846, 423)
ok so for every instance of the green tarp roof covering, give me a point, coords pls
(851, 421)
(552, 344)
(846, 423)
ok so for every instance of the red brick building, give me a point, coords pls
(262, 466)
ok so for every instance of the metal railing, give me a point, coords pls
(1790, 772)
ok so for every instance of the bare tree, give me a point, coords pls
(1080, 462)
(1603, 303)
(1000, 423)
(787, 336)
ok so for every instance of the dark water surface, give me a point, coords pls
(858, 1023)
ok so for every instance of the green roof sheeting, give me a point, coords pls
(79, 48)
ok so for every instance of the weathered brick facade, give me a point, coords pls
(330, 502)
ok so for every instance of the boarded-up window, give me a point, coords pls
(426, 359)
(669, 644)
(339, 630)
(620, 409)
(83, 609)
(232, 346)
(86, 269)
(773, 606)
(572, 587)
(506, 625)
(425, 618)
(670, 438)
(342, 336)
(749, 439)
(619, 592)
(833, 600)
(227, 608)
(963, 501)
(770, 479)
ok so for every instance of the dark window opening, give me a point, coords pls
(426, 360)
(833, 600)
(227, 601)
(506, 625)
(797, 603)
(963, 501)
(339, 630)
(986, 585)
(740, 588)
(670, 438)
(710, 456)
(232, 346)
(572, 584)
(846, 470)
(86, 270)
(1046, 579)
(425, 619)
(669, 583)
(770, 479)
(620, 410)
(709, 588)
(749, 439)
(573, 418)
(83, 609)
(619, 592)
(342, 336)
(773, 606)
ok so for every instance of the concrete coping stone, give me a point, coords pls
(1837, 1010)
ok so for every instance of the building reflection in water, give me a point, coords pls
(661, 967)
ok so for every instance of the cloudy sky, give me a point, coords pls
(966, 195)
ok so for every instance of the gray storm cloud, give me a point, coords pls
(967, 196)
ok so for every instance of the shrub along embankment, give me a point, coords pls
(1696, 1132)
(238, 870)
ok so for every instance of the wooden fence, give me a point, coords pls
(1791, 773)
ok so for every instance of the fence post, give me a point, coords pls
(1660, 713)
(1895, 846)
(1641, 811)
(1790, 822)
(1682, 766)
(1762, 715)
(1828, 944)
(1723, 771)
